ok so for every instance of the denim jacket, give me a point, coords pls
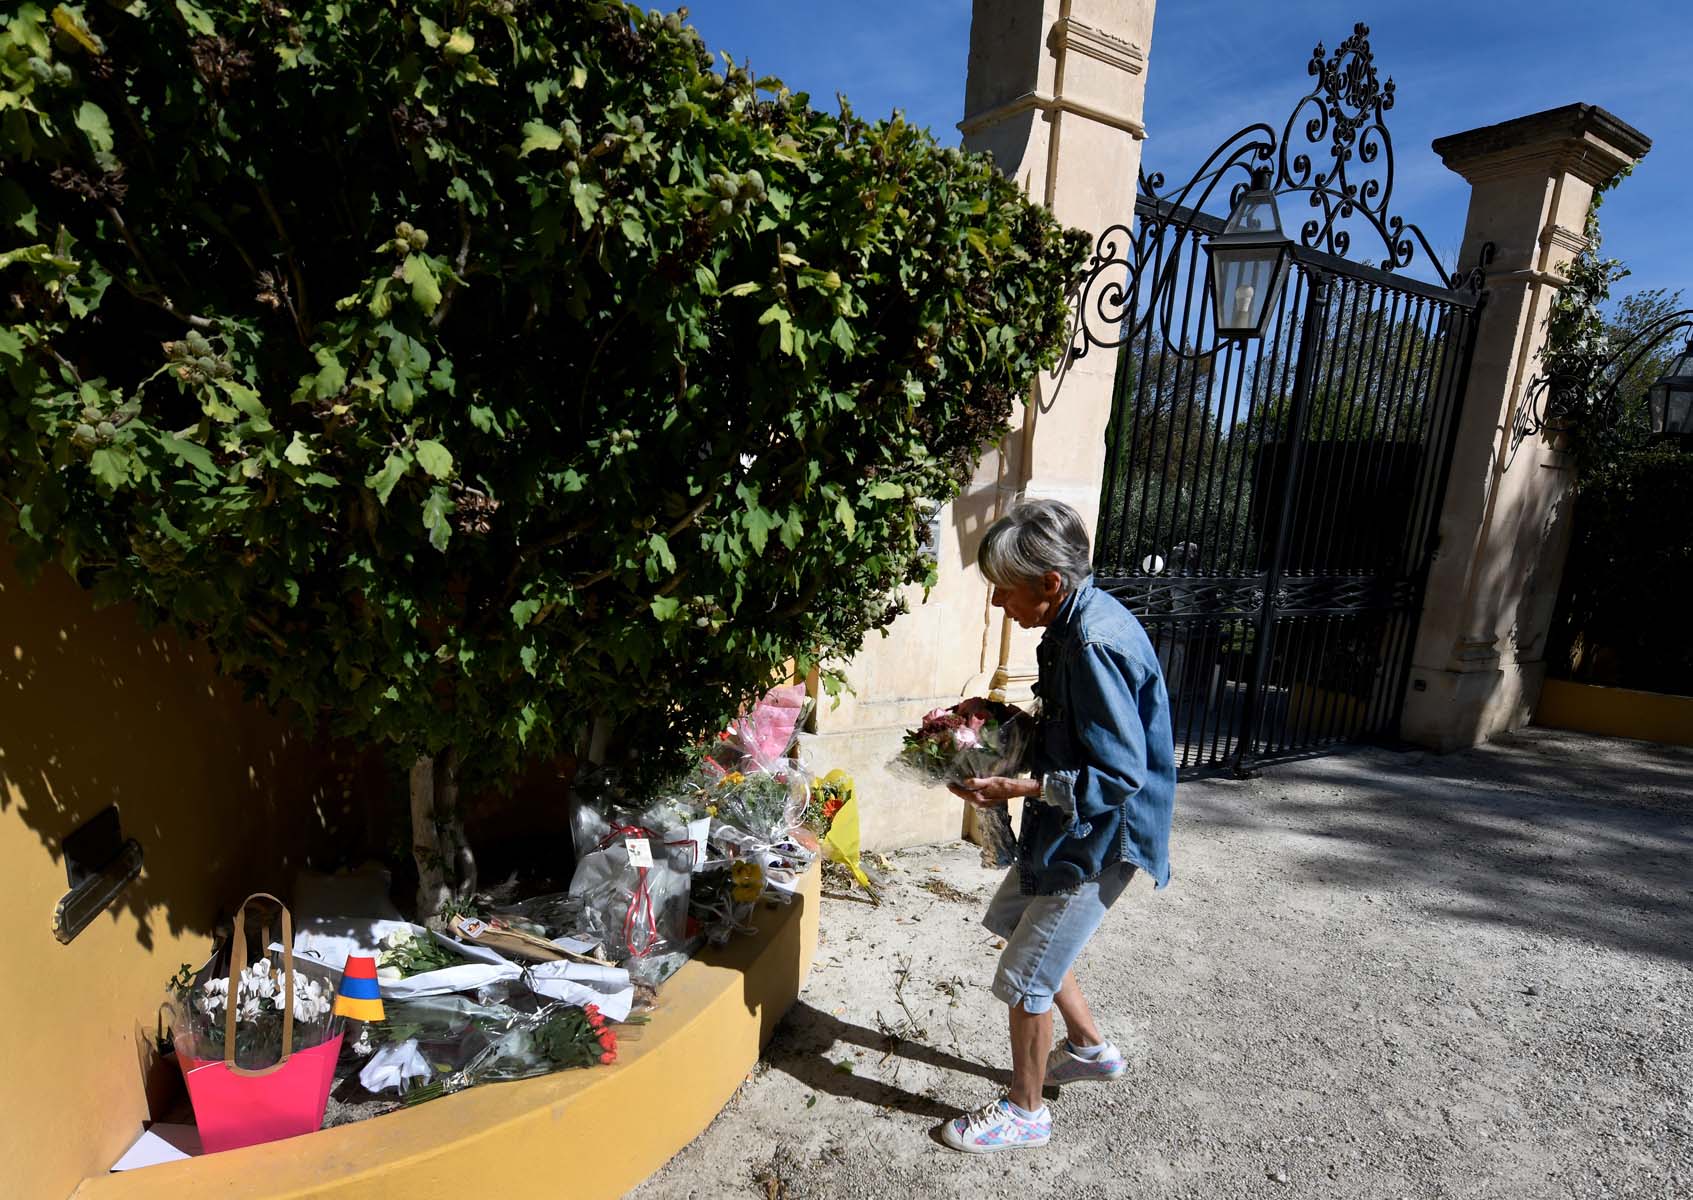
(1104, 752)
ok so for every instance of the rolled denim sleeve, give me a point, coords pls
(1105, 707)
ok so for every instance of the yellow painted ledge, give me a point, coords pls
(1616, 712)
(581, 1134)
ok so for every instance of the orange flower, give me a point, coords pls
(608, 1040)
(831, 808)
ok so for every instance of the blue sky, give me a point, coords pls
(1216, 65)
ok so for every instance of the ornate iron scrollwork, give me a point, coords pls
(1131, 279)
(1566, 400)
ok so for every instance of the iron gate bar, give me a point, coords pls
(1316, 318)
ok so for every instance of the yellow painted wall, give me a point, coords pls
(1616, 712)
(224, 800)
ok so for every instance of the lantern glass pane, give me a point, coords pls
(1245, 281)
(1256, 213)
(1680, 414)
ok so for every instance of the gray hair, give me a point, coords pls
(1035, 537)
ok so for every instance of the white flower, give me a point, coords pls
(965, 738)
(397, 938)
(260, 969)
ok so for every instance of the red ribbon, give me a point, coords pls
(640, 900)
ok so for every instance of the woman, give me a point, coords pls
(1097, 808)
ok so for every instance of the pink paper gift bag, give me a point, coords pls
(236, 1106)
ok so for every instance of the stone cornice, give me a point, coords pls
(1077, 37)
(1580, 139)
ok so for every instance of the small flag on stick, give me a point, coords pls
(358, 996)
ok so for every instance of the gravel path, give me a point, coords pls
(1375, 975)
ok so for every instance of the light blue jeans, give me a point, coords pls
(1045, 935)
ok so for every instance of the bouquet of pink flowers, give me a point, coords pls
(972, 740)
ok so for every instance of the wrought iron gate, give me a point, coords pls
(1269, 507)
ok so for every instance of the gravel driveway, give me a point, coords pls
(1374, 975)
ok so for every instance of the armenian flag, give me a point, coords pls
(358, 996)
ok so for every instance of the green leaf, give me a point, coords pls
(661, 548)
(845, 515)
(425, 288)
(460, 43)
(431, 32)
(391, 473)
(96, 126)
(245, 398)
(331, 378)
(883, 490)
(530, 657)
(198, 19)
(743, 289)
(538, 136)
(664, 607)
(435, 510)
(434, 458)
(11, 345)
(778, 313)
(190, 454)
(298, 452)
(632, 230)
(578, 76)
(109, 467)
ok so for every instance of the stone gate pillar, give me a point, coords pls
(1480, 652)
(1054, 93)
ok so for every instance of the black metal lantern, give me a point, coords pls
(1248, 263)
(1671, 397)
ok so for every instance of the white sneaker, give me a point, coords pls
(995, 1127)
(1064, 1065)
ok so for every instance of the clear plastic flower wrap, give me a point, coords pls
(973, 739)
(632, 880)
(199, 1008)
(518, 1035)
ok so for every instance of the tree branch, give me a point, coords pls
(459, 260)
(302, 317)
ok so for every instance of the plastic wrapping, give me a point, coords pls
(467, 1042)
(632, 881)
(973, 739)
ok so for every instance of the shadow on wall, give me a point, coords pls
(1542, 831)
(224, 798)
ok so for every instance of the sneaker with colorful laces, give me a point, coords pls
(1064, 1065)
(996, 1127)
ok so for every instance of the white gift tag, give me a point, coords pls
(640, 852)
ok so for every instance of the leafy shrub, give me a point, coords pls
(463, 372)
(1623, 612)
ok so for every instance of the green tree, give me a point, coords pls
(470, 372)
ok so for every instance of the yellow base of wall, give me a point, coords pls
(583, 1134)
(1616, 712)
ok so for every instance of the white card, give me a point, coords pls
(640, 852)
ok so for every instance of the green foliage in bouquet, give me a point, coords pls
(464, 372)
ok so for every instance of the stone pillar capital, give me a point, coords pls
(1583, 140)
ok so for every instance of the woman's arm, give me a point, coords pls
(1111, 741)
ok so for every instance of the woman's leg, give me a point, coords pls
(1031, 1042)
(1078, 1018)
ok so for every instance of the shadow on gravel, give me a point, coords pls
(800, 1050)
(1581, 837)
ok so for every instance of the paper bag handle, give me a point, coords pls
(238, 964)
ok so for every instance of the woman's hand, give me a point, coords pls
(992, 791)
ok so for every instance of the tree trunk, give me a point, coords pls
(432, 890)
(449, 824)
